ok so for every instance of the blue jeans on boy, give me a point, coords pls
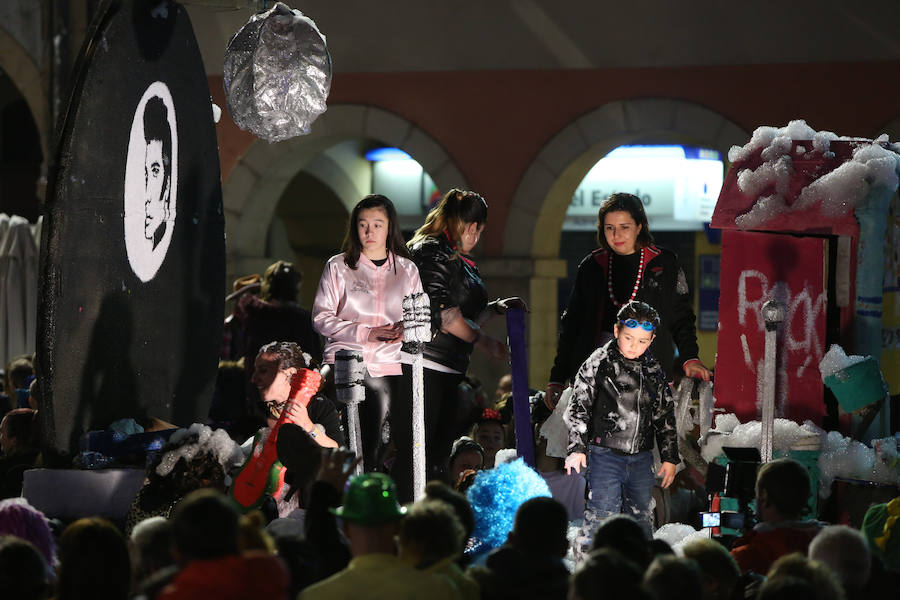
(619, 483)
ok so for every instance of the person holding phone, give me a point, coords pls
(459, 306)
(359, 307)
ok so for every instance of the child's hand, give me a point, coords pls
(667, 472)
(577, 461)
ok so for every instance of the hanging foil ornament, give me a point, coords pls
(277, 74)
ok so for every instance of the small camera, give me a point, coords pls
(728, 519)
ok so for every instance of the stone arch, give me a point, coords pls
(256, 183)
(25, 74)
(534, 222)
(544, 193)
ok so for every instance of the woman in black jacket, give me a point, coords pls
(626, 266)
(459, 303)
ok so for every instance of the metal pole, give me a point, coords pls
(515, 334)
(773, 313)
(416, 332)
(349, 373)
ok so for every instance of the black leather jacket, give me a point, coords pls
(450, 281)
(622, 404)
(663, 286)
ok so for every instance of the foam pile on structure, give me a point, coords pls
(836, 360)
(873, 163)
(840, 456)
(679, 534)
(198, 440)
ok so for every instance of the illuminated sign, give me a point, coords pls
(678, 185)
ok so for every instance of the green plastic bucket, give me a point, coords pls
(858, 385)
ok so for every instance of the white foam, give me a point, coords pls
(835, 194)
(679, 534)
(217, 443)
(836, 360)
(727, 422)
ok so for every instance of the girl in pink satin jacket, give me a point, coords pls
(358, 307)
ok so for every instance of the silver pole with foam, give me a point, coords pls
(349, 374)
(416, 332)
(773, 314)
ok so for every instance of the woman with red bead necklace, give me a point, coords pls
(627, 266)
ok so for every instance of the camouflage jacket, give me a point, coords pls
(622, 404)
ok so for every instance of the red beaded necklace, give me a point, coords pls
(637, 280)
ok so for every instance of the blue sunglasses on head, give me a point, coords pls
(632, 323)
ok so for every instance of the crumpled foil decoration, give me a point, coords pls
(277, 74)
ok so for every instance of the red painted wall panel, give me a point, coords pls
(755, 268)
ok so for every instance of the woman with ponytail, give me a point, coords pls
(459, 303)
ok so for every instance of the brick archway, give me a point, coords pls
(26, 76)
(534, 223)
(255, 185)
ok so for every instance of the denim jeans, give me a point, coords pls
(618, 484)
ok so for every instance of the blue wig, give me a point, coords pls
(495, 497)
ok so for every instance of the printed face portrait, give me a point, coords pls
(151, 181)
(157, 169)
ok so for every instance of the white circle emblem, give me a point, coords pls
(151, 181)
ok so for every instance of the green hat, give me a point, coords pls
(873, 526)
(371, 499)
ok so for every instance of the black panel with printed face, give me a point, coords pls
(133, 251)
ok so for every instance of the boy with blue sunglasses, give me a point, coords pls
(621, 403)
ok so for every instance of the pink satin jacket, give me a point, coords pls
(351, 302)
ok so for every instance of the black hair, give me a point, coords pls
(538, 523)
(289, 355)
(457, 209)
(465, 444)
(280, 282)
(786, 483)
(607, 574)
(352, 247)
(93, 561)
(156, 127)
(787, 588)
(672, 578)
(626, 536)
(17, 372)
(634, 207)
(205, 525)
(438, 490)
(641, 311)
(23, 571)
(21, 425)
(432, 526)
